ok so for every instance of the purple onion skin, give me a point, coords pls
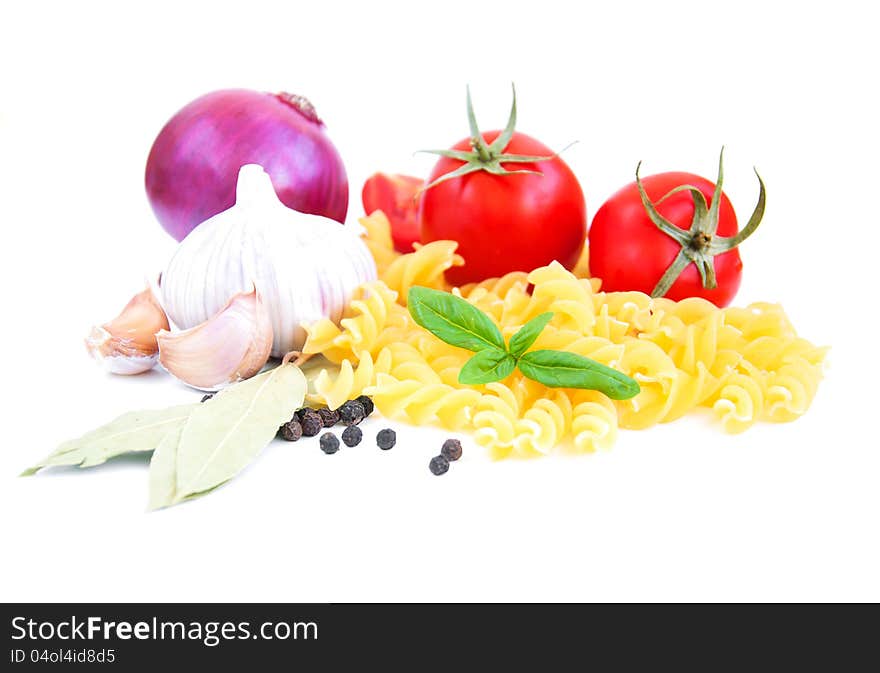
(193, 165)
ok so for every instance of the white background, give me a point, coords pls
(677, 512)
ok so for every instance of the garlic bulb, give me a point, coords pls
(230, 346)
(305, 267)
(127, 344)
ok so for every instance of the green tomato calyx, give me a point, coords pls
(487, 156)
(699, 243)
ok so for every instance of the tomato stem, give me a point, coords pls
(699, 243)
(483, 156)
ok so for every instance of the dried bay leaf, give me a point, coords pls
(223, 435)
(163, 470)
(163, 473)
(131, 432)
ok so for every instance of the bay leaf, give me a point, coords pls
(163, 470)
(131, 432)
(163, 474)
(223, 435)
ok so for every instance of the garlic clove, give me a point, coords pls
(127, 344)
(232, 345)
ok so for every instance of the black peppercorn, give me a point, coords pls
(291, 431)
(386, 439)
(451, 449)
(311, 422)
(207, 397)
(329, 443)
(438, 465)
(352, 435)
(367, 404)
(329, 417)
(351, 413)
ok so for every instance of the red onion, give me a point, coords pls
(193, 164)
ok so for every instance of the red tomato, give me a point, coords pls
(506, 223)
(397, 197)
(629, 252)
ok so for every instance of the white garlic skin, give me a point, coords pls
(125, 364)
(305, 267)
(127, 344)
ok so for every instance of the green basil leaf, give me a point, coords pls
(492, 364)
(453, 320)
(525, 337)
(560, 369)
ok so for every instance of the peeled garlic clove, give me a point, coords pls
(232, 345)
(127, 344)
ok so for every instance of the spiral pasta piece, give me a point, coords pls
(377, 236)
(593, 421)
(789, 390)
(425, 267)
(373, 310)
(582, 266)
(321, 338)
(494, 420)
(739, 403)
(556, 290)
(543, 425)
(423, 402)
(498, 287)
(351, 379)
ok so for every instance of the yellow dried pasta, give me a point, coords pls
(423, 402)
(373, 310)
(594, 421)
(377, 236)
(351, 379)
(744, 364)
(424, 266)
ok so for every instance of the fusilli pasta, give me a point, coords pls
(425, 266)
(377, 236)
(744, 364)
(373, 310)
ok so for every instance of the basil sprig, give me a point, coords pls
(460, 323)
